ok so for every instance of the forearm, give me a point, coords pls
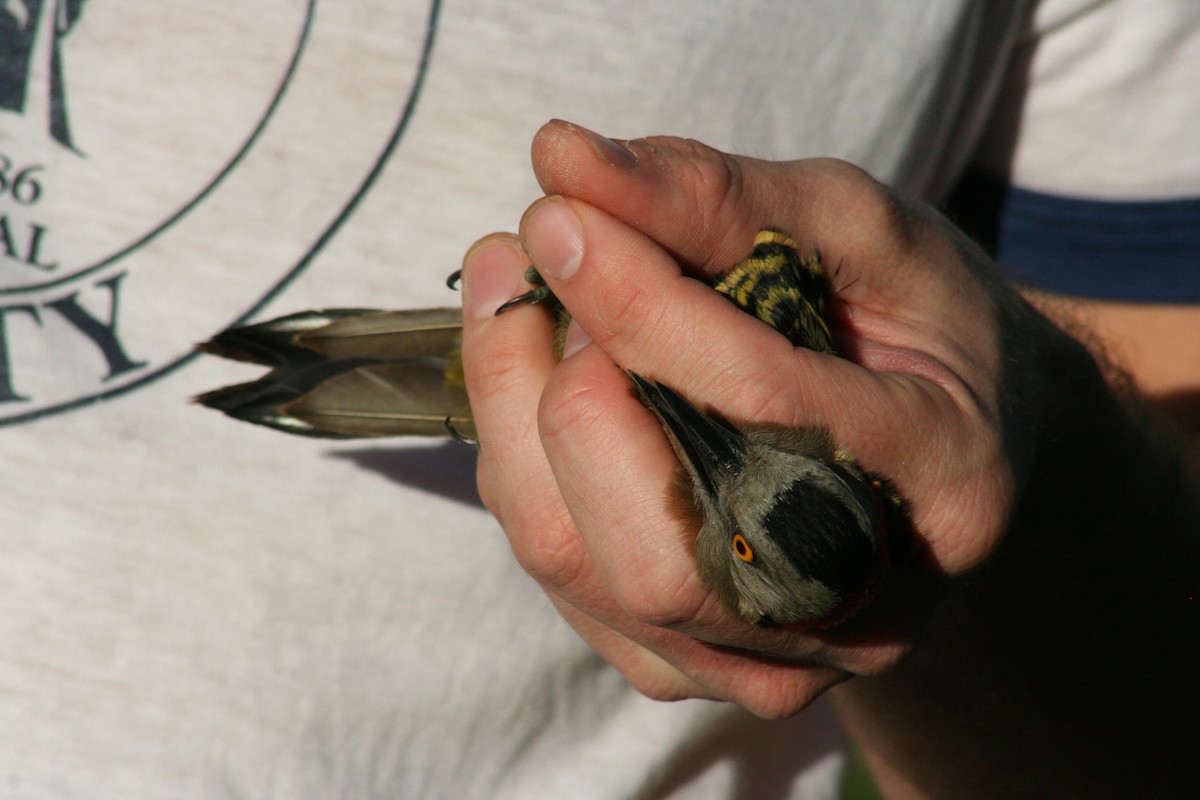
(1067, 665)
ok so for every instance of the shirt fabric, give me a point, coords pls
(1090, 170)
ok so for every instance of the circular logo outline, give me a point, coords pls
(301, 264)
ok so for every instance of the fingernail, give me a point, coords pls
(607, 150)
(553, 237)
(493, 276)
(575, 340)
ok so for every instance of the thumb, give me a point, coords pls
(703, 205)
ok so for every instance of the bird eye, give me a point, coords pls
(743, 549)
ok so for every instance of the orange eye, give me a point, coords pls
(743, 549)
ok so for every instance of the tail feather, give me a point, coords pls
(346, 373)
(308, 336)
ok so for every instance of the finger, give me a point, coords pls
(704, 205)
(666, 665)
(629, 295)
(506, 361)
(615, 470)
(650, 674)
(650, 184)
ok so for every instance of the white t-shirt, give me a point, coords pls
(1102, 102)
(191, 607)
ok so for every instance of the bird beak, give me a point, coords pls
(708, 443)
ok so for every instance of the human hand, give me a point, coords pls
(577, 470)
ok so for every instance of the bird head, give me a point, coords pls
(790, 533)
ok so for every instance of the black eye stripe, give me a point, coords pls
(821, 536)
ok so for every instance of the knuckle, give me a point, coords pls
(679, 155)
(781, 692)
(539, 528)
(881, 660)
(549, 550)
(627, 307)
(869, 659)
(487, 485)
(897, 218)
(653, 677)
(772, 708)
(641, 320)
(544, 542)
(661, 598)
(711, 172)
(553, 562)
(713, 183)
(663, 688)
(568, 409)
(894, 219)
(717, 185)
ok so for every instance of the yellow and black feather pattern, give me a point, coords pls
(783, 289)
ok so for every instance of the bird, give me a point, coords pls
(791, 531)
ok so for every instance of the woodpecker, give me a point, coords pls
(792, 532)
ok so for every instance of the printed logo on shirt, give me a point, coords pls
(146, 151)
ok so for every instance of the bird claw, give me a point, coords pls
(540, 293)
(534, 296)
(458, 435)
